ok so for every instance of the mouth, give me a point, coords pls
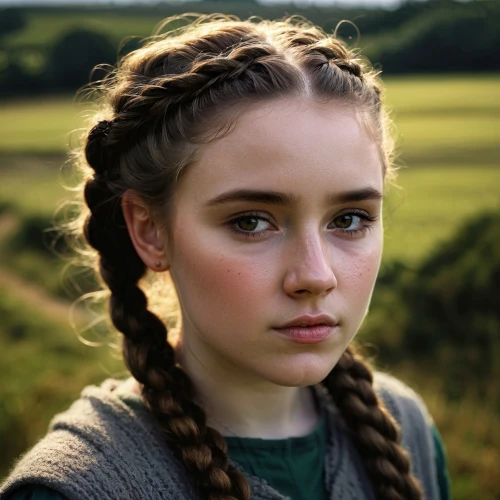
(309, 320)
(308, 329)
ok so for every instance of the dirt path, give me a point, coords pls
(8, 221)
(53, 308)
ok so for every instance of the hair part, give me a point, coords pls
(164, 100)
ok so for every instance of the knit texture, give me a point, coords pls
(103, 449)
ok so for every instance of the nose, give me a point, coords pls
(310, 269)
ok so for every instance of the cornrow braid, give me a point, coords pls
(160, 98)
(373, 430)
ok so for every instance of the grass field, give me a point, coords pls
(32, 185)
(40, 125)
(433, 202)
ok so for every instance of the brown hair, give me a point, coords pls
(163, 100)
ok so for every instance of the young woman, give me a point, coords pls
(247, 161)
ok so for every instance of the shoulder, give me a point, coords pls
(408, 408)
(402, 402)
(411, 413)
(101, 448)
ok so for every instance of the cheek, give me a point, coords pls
(210, 280)
(232, 281)
(358, 272)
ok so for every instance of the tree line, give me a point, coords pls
(418, 37)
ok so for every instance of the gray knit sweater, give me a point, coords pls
(104, 449)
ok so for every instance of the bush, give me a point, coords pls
(446, 39)
(75, 54)
(42, 256)
(16, 79)
(11, 20)
(445, 311)
(34, 234)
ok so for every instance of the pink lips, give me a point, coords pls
(308, 329)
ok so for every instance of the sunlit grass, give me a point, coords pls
(32, 185)
(452, 119)
(443, 93)
(39, 125)
(429, 131)
(432, 203)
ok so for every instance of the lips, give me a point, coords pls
(308, 320)
(308, 329)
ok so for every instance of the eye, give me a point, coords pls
(353, 224)
(249, 225)
(347, 221)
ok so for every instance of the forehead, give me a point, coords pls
(294, 145)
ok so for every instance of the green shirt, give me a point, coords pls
(292, 466)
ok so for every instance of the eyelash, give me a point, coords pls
(367, 219)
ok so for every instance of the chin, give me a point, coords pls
(301, 370)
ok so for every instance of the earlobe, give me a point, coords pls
(147, 238)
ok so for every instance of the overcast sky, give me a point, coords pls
(385, 3)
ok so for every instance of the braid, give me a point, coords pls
(168, 392)
(244, 70)
(374, 431)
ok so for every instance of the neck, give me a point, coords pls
(241, 406)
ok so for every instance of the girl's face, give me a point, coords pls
(279, 219)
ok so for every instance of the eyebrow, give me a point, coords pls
(285, 199)
(368, 193)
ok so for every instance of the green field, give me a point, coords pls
(452, 119)
(41, 125)
(433, 202)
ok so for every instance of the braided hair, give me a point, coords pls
(180, 90)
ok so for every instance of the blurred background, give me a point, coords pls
(435, 316)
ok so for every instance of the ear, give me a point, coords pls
(146, 237)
